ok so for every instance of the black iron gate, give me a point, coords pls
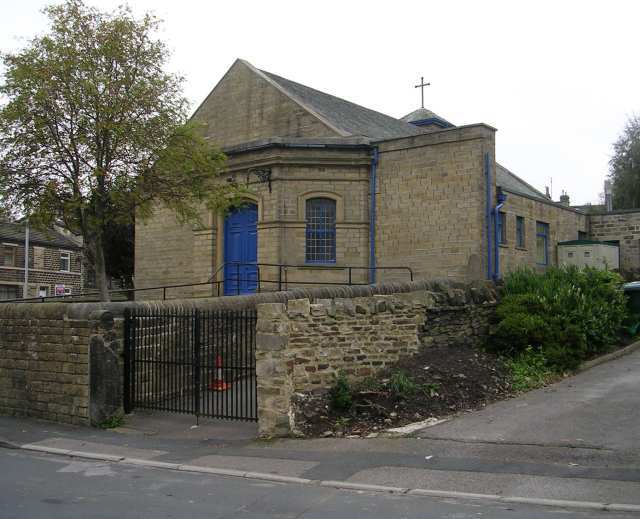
(191, 361)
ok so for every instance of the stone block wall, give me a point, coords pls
(303, 345)
(564, 225)
(58, 364)
(167, 253)
(245, 105)
(622, 226)
(431, 204)
(44, 269)
(63, 362)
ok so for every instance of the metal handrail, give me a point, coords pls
(282, 269)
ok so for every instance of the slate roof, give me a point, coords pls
(14, 232)
(350, 118)
(511, 182)
(421, 114)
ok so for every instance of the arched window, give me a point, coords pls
(320, 242)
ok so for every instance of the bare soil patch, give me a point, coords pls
(436, 382)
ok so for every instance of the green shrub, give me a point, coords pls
(529, 370)
(402, 385)
(369, 384)
(432, 389)
(567, 314)
(112, 422)
(340, 395)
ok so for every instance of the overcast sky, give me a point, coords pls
(557, 79)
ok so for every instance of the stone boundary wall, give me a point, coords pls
(623, 226)
(45, 356)
(63, 361)
(304, 344)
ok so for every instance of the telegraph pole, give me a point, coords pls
(25, 288)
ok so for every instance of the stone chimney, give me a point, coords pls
(564, 199)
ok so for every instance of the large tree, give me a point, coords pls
(93, 129)
(624, 167)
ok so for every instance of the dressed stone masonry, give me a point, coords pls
(303, 345)
(60, 362)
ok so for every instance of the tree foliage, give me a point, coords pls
(625, 167)
(93, 130)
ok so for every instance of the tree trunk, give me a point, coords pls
(95, 246)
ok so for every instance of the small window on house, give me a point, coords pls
(583, 235)
(42, 291)
(9, 255)
(520, 231)
(67, 291)
(502, 227)
(570, 254)
(542, 243)
(587, 254)
(65, 261)
(320, 239)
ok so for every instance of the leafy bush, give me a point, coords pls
(402, 385)
(567, 314)
(369, 384)
(340, 395)
(529, 370)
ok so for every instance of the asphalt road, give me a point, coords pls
(41, 485)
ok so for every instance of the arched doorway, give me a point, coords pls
(241, 250)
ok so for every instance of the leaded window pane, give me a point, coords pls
(321, 230)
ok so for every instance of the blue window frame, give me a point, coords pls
(502, 227)
(520, 232)
(320, 242)
(542, 243)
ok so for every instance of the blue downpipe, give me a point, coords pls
(487, 176)
(372, 216)
(496, 221)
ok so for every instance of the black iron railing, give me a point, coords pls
(231, 272)
(191, 361)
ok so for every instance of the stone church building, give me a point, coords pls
(335, 185)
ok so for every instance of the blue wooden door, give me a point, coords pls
(241, 250)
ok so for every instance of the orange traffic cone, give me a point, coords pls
(218, 383)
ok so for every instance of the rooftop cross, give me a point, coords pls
(421, 87)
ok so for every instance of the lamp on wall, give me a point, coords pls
(263, 175)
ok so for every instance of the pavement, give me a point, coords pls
(572, 446)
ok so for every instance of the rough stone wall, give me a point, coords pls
(59, 364)
(564, 225)
(303, 345)
(244, 106)
(431, 203)
(63, 362)
(623, 226)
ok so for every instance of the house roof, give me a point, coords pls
(351, 119)
(14, 232)
(512, 182)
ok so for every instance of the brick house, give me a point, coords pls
(55, 262)
(441, 203)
